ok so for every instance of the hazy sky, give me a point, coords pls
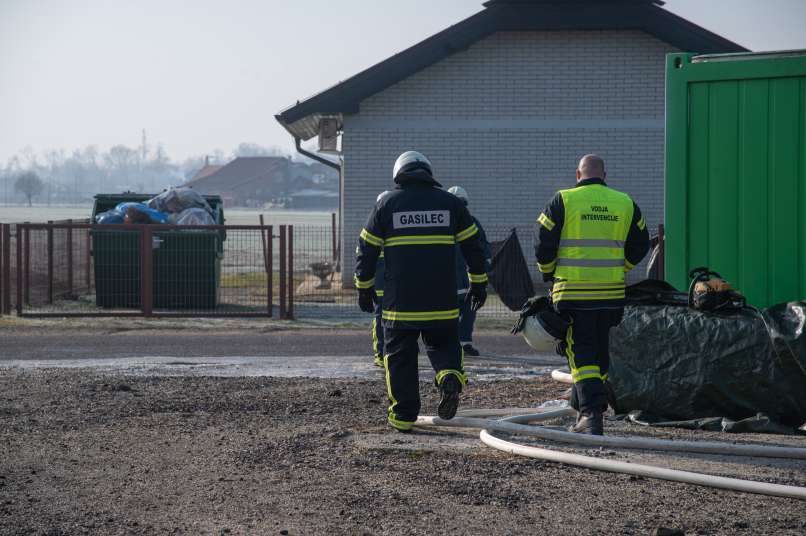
(204, 74)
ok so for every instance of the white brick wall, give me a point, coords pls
(509, 118)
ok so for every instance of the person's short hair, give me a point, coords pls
(592, 165)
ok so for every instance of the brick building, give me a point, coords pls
(505, 102)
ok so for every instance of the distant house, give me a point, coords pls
(257, 180)
(313, 199)
(506, 102)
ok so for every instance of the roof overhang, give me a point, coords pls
(302, 120)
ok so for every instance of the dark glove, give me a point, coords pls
(477, 295)
(548, 278)
(366, 299)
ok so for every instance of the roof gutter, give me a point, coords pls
(312, 156)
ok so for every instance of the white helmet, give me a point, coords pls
(537, 337)
(542, 326)
(460, 192)
(411, 160)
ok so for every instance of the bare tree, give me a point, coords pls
(30, 185)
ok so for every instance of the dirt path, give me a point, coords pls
(83, 453)
(260, 340)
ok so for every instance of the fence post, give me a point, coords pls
(263, 243)
(282, 271)
(70, 292)
(290, 311)
(88, 258)
(333, 233)
(50, 262)
(27, 268)
(269, 240)
(19, 265)
(146, 271)
(5, 268)
(662, 252)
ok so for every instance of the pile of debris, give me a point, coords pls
(175, 206)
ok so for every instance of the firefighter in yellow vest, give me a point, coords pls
(586, 239)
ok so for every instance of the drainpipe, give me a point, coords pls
(330, 164)
(316, 157)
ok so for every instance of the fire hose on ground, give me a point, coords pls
(517, 421)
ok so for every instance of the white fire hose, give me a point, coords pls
(518, 424)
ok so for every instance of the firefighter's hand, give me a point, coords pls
(366, 299)
(478, 295)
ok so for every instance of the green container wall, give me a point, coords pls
(736, 172)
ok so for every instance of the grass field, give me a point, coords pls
(234, 216)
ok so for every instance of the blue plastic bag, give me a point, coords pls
(154, 215)
(111, 217)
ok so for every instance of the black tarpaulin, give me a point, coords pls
(676, 364)
(509, 274)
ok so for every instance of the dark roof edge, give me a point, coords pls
(403, 64)
(345, 97)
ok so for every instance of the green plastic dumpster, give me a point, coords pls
(186, 262)
(736, 171)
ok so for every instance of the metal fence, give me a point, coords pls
(77, 269)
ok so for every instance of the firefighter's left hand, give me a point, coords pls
(366, 299)
(478, 295)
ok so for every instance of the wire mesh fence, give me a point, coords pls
(78, 269)
(121, 270)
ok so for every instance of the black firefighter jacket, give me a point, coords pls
(418, 225)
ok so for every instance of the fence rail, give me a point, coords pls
(64, 269)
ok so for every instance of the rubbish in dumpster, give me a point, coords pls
(177, 200)
(154, 216)
(509, 275)
(135, 217)
(194, 216)
(110, 217)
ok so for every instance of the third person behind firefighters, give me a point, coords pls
(467, 318)
(586, 239)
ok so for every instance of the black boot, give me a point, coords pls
(450, 389)
(589, 422)
(470, 351)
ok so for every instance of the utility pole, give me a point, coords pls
(144, 150)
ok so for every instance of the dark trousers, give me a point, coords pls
(402, 374)
(377, 334)
(467, 319)
(588, 352)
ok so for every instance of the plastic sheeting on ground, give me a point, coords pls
(509, 274)
(676, 364)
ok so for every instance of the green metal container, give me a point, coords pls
(736, 171)
(186, 263)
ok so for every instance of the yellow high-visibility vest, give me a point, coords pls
(590, 261)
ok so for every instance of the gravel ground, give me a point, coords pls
(83, 453)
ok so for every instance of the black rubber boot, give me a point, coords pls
(450, 389)
(470, 351)
(589, 422)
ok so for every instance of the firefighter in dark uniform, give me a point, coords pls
(377, 319)
(417, 226)
(586, 239)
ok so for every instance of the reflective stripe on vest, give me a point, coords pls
(597, 221)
